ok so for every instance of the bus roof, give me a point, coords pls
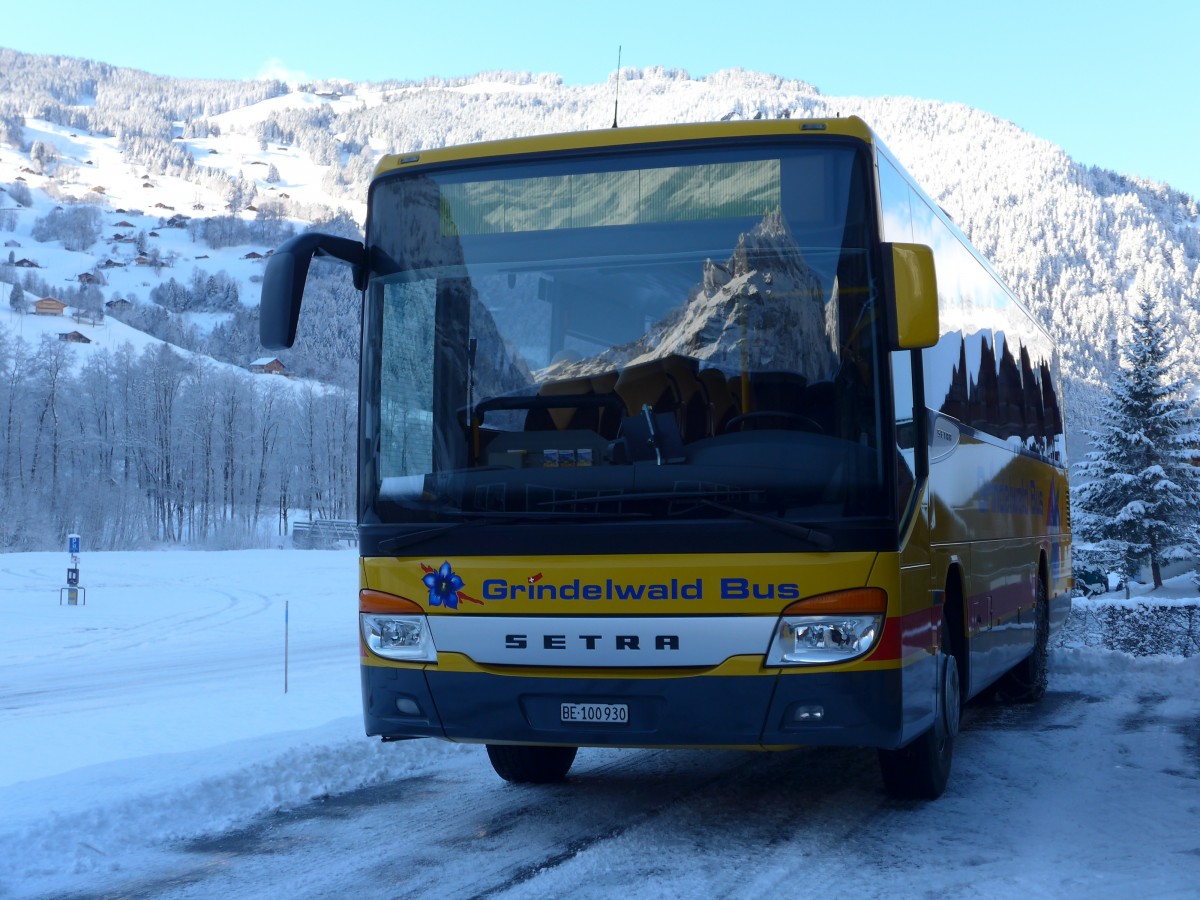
(852, 126)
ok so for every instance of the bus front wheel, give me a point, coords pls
(531, 765)
(921, 769)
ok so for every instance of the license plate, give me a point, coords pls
(596, 713)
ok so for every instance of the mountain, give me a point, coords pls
(729, 303)
(163, 192)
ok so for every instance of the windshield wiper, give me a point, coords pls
(416, 537)
(489, 518)
(817, 538)
(626, 496)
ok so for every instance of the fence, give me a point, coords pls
(324, 533)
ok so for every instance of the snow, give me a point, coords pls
(155, 713)
(90, 160)
(110, 335)
(157, 709)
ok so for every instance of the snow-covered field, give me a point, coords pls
(151, 725)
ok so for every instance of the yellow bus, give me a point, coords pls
(712, 435)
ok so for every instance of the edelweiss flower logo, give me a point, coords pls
(445, 587)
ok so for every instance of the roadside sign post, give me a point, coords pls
(73, 592)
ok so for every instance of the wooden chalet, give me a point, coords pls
(268, 365)
(49, 306)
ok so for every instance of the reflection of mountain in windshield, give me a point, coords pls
(763, 308)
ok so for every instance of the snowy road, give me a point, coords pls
(1023, 818)
(200, 778)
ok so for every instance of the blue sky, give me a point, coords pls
(1113, 83)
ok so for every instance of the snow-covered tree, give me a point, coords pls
(1137, 503)
(16, 299)
(77, 227)
(44, 156)
(20, 194)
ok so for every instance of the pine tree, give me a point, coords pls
(16, 299)
(1140, 493)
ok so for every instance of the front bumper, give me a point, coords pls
(859, 708)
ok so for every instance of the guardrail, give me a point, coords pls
(324, 533)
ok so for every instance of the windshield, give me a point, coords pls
(644, 336)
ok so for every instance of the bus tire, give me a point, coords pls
(521, 764)
(920, 770)
(1026, 681)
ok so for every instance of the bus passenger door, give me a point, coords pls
(921, 616)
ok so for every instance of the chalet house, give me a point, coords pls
(268, 365)
(117, 305)
(26, 264)
(124, 224)
(75, 337)
(48, 306)
(87, 278)
(253, 255)
(112, 264)
(12, 243)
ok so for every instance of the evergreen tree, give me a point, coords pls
(16, 298)
(1139, 499)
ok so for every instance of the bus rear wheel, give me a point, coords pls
(1026, 681)
(921, 769)
(521, 764)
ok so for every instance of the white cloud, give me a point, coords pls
(274, 68)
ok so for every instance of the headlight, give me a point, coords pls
(402, 637)
(831, 628)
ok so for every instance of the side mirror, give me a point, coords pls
(283, 282)
(911, 284)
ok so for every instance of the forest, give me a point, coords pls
(134, 449)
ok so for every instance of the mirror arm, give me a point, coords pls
(283, 282)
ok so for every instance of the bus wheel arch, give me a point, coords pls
(954, 615)
(920, 770)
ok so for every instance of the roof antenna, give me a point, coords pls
(617, 98)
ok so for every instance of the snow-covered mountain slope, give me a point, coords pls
(1077, 244)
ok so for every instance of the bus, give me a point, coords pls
(706, 435)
